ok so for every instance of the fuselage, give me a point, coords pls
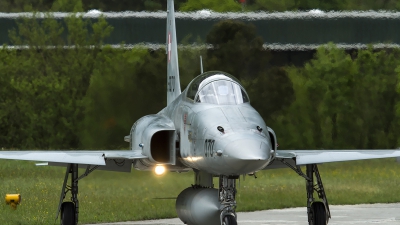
(219, 131)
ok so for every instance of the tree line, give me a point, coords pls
(193, 5)
(53, 97)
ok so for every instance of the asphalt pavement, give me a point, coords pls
(341, 215)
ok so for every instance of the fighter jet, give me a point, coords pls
(210, 128)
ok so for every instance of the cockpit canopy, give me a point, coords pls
(217, 87)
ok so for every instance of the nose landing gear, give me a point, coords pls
(227, 193)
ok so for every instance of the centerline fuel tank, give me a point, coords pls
(198, 206)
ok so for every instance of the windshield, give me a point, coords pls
(221, 92)
(216, 87)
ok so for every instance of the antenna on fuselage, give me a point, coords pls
(201, 64)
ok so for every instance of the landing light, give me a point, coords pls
(159, 170)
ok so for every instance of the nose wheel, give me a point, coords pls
(229, 220)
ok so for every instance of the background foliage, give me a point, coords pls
(192, 5)
(41, 104)
(345, 100)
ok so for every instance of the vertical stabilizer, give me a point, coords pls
(173, 82)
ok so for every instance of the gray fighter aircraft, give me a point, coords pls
(209, 128)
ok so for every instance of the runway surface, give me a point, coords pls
(341, 214)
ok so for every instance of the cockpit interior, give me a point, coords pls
(218, 88)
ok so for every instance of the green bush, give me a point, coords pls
(344, 101)
(45, 81)
(217, 6)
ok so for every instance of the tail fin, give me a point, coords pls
(173, 85)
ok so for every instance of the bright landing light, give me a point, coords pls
(159, 170)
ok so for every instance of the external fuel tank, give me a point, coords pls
(199, 206)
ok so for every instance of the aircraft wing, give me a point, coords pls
(76, 157)
(303, 157)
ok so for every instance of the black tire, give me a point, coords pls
(319, 213)
(68, 213)
(230, 220)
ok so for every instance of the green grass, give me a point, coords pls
(110, 196)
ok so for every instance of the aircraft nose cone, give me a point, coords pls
(247, 155)
(248, 149)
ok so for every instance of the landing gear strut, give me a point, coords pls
(317, 211)
(226, 195)
(70, 210)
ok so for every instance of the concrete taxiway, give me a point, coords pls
(341, 214)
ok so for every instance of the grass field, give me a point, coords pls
(110, 196)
